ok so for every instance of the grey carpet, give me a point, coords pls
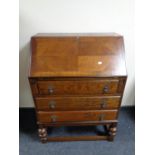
(124, 143)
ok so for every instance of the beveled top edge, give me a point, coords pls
(111, 34)
(125, 75)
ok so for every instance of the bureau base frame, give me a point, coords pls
(110, 128)
(77, 79)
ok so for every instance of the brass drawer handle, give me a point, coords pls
(106, 89)
(53, 118)
(50, 89)
(52, 104)
(101, 117)
(103, 104)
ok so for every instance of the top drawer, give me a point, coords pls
(78, 87)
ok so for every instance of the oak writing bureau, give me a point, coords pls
(76, 80)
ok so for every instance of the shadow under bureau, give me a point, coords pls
(76, 80)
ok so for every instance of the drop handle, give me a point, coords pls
(50, 89)
(52, 104)
(53, 118)
(103, 104)
(106, 89)
(101, 117)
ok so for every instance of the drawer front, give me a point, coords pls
(89, 87)
(77, 116)
(77, 103)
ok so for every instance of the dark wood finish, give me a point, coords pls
(78, 138)
(33, 85)
(77, 79)
(77, 103)
(76, 116)
(82, 123)
(77, 56)
(89, 87)
(42, 134)
(112, 131)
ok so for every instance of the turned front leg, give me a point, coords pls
(112, 131)
(42, 134)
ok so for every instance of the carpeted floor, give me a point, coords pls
(124, 143)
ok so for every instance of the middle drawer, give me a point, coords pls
(77, 103)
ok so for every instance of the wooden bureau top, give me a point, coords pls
(77, 55)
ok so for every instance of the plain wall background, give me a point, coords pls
(40, 16)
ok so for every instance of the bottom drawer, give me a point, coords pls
(76, 116)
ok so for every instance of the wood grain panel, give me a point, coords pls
(77, 103)
(69, 116)
(77, 56)
(78, 87)
(55, 46)
(100, 45)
